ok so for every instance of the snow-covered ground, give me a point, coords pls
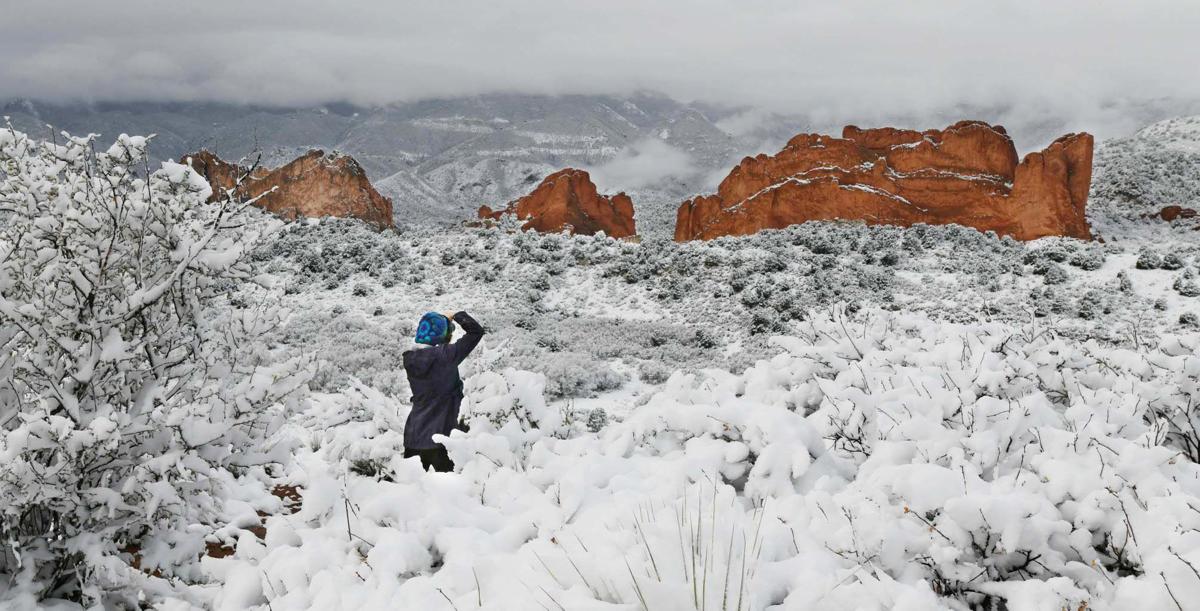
(832, 416)
(881, 461)
(871, 418)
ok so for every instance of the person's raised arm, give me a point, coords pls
(472, 333)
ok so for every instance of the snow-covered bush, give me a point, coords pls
(653, 372)
(358, 426)
(1089, 259)
(1149, 259)
(877, 461)
(607, 297)
(1020, 451)
(597, 419)
(574, 375)
(1172, 261)
(1054, 274)
(353, 345)
(496, 400)
(128, 398)
(1186, 286)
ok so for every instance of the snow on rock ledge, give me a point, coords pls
(568, 200)
(966, 174)
(312, 185)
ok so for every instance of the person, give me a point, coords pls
(437, 389)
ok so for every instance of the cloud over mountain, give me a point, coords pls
(643, 163)
(838, 61)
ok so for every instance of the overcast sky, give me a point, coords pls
(838, 58)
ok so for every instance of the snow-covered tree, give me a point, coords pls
(132, 381)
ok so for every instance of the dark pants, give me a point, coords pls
(432, 458)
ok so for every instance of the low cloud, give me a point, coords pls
(835, 62)
(644, 163)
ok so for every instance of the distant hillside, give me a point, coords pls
(439, 160)
(1157, 166)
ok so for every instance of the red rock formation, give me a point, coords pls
(312, 185)
(220, 174)
(967, 174)
(567, 199)
(1170, 213)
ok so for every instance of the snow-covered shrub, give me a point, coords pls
(597, 419)
(602, 303)
(1124, 283)
(1057, 253)
(495, 400)
(128, 398)
(1172, 261)
(1089, 259)
(1186, 287)
(1149, 259)
(996, 466)
(1055, 274)
(358, 426)
(653, 372)
(570, 374)
(1020, 450)
(1091, 305)
(1046, 301)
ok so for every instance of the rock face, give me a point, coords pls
(312, 185)
(220, 174)
(967, 174)
(567, 200)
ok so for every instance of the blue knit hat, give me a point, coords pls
(434, 329)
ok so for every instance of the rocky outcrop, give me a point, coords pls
(312, 185)
(1171, 213)
(220, 174)
(568, 200)
(967, 174)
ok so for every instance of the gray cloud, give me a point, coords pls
(1084, 61)
(641, 164)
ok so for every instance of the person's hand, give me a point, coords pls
(449, 315)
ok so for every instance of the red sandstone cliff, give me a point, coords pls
(312, 185)
(568, 199)
(967, 174)
(220, 174)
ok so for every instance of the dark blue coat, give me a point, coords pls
(437, 391)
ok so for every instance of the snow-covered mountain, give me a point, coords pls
(1157, 166)
(1179, 133)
